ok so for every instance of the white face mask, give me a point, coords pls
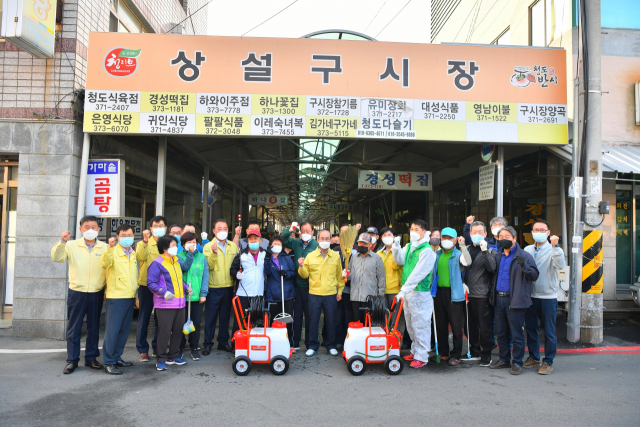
(90, 234)
(158, 232)
(324, 245)
(495, 231)
(306, 237)
(221, 235)
(173, 251)
(387, 240)
(414, 236)
(446, 244)
(373, 240)
(276, 249)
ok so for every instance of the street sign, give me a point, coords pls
(339, 207)
(268, 199)
(394, 180)
(105, 188)
(485, 187)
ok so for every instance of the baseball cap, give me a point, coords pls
(364, 237)
(372, 230)
(448, 231)
(254, 232)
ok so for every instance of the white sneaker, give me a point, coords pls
(333, 352)
(310, 352)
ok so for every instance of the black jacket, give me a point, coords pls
(521, 278)
(479, 275)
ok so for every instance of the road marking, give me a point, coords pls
(50, 350)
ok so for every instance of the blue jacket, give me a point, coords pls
(273, 292)
(455, 275)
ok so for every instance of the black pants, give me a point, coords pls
(356, 313)
(196, 318)
(448, 312)
(170, 322)
(480, 322)
(80, 304)
(276, 308)
(217, 308)
(145, 307)
(301, 308)
(342, 318)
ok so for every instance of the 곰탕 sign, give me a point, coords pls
(235, 86)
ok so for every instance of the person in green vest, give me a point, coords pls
(418, 259)
(195, 272)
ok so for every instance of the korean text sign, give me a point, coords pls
(486, 180)
(105, 181)
(394, 180)
(269, 199)
(233, 86)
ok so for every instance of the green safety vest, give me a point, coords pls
(194, 275)
(410, 261)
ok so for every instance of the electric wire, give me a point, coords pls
(396, 15)
(272, 16)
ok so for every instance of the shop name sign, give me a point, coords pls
(234, 86)
(30, 25)
(394, 180)
(334, 207)
(105, 188)
(268, 199)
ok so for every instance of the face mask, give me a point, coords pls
(222, 235)
(446, 244)
(276, 249)
(414, 236)
(495, 231)
(190, 246)
(434, 241)
(254, 246)
(540, 237)
(505, 243)
(387, 240)
(324, 245)
(477, 238)
(158, 232)
(173, 251)
(373, 240)
(125, 242)
(90, 234)
(177, 237)
(305, 237)
(335, 246)
(363, 250)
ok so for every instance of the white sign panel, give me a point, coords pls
(268, 199)
(334, 207)
(487, 173)
(105, 188)
(394, 180)
(30, 25)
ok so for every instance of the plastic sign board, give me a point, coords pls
(319, 88)
(334, 207)
(268, 199)
(30, 25)
(485, 187)
(135, 223)
(394, 180)
(105, 188)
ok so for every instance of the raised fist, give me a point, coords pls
(112, 242)
(145, 235)
(554, 240)
(470, 219)
(461, 240)
(65, 236)
(238, 230)
(301, 261)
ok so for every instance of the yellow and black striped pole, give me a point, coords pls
(592, 261)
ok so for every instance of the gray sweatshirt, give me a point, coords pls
(549, 260)
(367, 276)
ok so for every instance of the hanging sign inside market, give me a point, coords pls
(394, 180)
(271, 87)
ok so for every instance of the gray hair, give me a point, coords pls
(498, 219)
(476, 223)
(511, 231)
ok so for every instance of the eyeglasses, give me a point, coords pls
(539, 230)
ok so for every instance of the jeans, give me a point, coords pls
(80, 304)
(217, 308)
(448, 312)
(196, 318)
(509, 320)
(170, 322)
(546, 310)
(118, 318)
(480, 321)
(329, 305)
(301, 308)
(145, 307)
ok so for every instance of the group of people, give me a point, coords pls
(169, 273)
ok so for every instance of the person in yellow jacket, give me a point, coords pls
(119, 261)
(86, 290)
(324, 270)
(392, 271)
(220, 253)
(146, 253)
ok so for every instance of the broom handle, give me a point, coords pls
(189, 308)
(282, 289)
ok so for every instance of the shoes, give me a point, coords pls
(206, 351)
(417, 364)
(408, 357)
(122, 364)
(176, 361)
(144, 357)
(485, 363)
(296, 348)
(515, 369)
(293, 350)
(531, 363)
(112, 370)
(310, 352)
(333, 352)
(69, 368)
(195, 355)
(225, 347)
(499, 365)
(161, 366)
(154, 352)
(454, 362)
(545, 369)
(94, 364)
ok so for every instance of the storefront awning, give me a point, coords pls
(615, 158)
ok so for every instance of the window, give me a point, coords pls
(544, 24)
(537, 24)
(113, 23)
(504, 38)
(128, 19)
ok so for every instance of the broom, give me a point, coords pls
(347, 237)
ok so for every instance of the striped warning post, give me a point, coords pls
(592, 261)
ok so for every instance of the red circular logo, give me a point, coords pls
(273, 200)
(118, 65)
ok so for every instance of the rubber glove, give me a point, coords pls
(344, 273)
(239, 275)
(466, 288)
(399, 296)
(168, 296)
(204, 235)
(483, 245)
(396, 241)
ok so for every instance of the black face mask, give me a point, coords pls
(335, 246)
(505, 243)
(434, 241)
(363, 250)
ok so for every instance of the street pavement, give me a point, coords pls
(584, 390)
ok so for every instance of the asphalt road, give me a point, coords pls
(583, 390)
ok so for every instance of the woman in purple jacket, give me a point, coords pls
(164, 279)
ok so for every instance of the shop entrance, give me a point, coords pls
(8, 202)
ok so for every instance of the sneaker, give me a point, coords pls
(531, 363)
(296, 348)
(176, 361)
(485, 363)
(195, 354)
(310, 352)
(499, 365)
(293, 350)
(417, 364)
(545, 369)
(161, 366)
(144, 357)
(408, 357)
(454, 362)
(515, 369)
(333, 352)
(154, 352)
(206, 351)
